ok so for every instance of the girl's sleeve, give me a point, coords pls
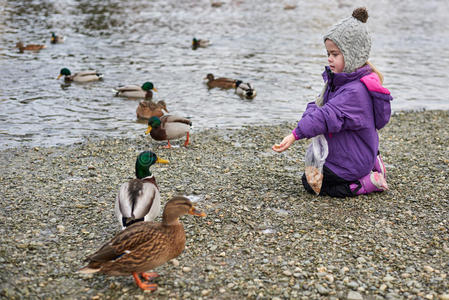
(310, 109)
(311, 106)
(340, 112)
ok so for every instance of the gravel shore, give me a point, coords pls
(264, 237)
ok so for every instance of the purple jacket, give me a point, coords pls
(355, 105)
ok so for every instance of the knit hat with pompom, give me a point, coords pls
(352, 38)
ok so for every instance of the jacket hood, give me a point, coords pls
(381, 99)
(335, 80)
(380, 95)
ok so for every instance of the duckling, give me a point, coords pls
(30, 47)
(168, 128)
(148, 109)
(56, 39)
(222, 82)
(245, 90)
(200, 43)
(135, 91)
(139, 198)
(144, 246)
(83, 76)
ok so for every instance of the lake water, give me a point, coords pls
(279, 50)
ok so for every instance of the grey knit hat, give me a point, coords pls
(352, 38)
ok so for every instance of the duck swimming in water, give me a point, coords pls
(245, 90)
(200, 43)
(221, 82)
(135, 91)
(82, 76)
(29, 47)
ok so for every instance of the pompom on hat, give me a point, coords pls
(352, 38)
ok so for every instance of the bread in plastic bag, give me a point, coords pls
(316, 155)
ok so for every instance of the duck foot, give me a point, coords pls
(168, 145)
(187, 140)
(145, 285)
(149, 276)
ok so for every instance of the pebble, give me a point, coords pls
(321, 289)
(61, 214)
(352, 295)
(175, 262)
(353, 285)
(428, 269)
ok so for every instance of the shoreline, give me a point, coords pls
(263, 237)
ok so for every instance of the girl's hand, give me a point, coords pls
(285, 144)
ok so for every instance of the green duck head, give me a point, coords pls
(148, 86)
(64, 72)
(153, 122)
(144, 161)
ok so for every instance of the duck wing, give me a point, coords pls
(222, 82)
(128, 88)
(137, 200)
(140, 247)
(86, 73)
(223, 79)
(174, 119)
(126, 241)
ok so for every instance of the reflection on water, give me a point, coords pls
(278, 50)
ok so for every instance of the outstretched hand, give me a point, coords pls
(285, 144)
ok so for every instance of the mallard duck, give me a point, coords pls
(245, 89)
(200, 43)
(168, 128)
(135, 91)
(289, 6)
(83, 76)
(222, 82)
(148, 109)
(144, 246)
(216, 4)
(56, 39)
(29, 47)
(139, 198)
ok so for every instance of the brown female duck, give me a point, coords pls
(29, 47)
(221, 82)
(144, 246)
(168, 128)
(148, 109)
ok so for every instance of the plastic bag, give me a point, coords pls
(316, 155)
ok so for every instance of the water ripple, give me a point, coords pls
(279, 51)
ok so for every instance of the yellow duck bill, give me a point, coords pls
(162, 161)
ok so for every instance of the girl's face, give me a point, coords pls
(334, 57)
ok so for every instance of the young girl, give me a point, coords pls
(351, 107)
